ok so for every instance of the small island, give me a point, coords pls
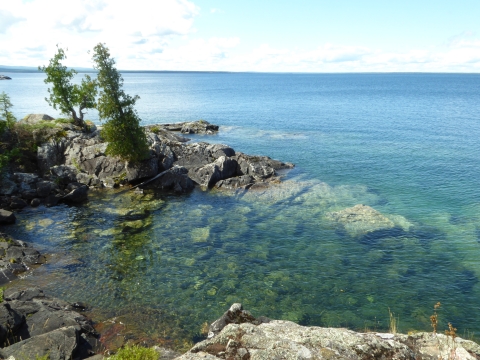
(4, 77)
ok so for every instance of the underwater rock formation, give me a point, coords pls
(362, 219)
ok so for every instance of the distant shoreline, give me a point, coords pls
(29, 69)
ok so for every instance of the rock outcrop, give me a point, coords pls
(16, 257)
(5, 77)
(238, 335)
(70, 156)
(33, 325)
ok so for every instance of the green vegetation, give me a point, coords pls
(7, 120)
(64, 95)
(2, 289)
(122, 130)
(135, 352)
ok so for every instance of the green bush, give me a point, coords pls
(135, 352)
(7, 120)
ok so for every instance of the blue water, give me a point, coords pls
(405, 144)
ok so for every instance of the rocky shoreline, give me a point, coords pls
(33, 325)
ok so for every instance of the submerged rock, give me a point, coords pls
(361, 219)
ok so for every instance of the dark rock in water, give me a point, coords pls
(5, 77)
(44, 188)
(17, 203)
(52, 200)
(78, 193)
(7, 217)
(175, 179)
(199, 127)
(200, 154)
(29, 194)
(237, 182)
(259, 167)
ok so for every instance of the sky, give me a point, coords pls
(247, 35)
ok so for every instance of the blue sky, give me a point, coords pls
(277, 36)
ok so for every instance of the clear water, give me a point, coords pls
(405, 144)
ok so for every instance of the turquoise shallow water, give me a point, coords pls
(404, 144)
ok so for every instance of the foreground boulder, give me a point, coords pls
(16, 257)
(47, 326)
(7, 217)
(238, 335)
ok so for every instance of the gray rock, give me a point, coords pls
(142, 170)
(175, 179)
(210, 174)
(51, 153)
(200, 154)
(46, 326)
(6, 275)
(77, 194)
(7, 186)
(44, 188)
(17, 203)
(260, 167)
(64, 173)
(5, 77)
(59, 344)
(52, 200)
(89, 180)
(35, 202)
(10, 323)
(199, 127)
(234, 315)
(25, 179)
(35, 118)
(237, 182)
(29, 194)
(7, 217)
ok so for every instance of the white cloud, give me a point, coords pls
(160, 35)
(7, 19)
(126, 28)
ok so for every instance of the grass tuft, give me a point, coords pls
(135, 352)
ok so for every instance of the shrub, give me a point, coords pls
(135, 352)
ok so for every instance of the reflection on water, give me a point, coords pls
(183, 260)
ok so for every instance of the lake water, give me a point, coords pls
(405, 144)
